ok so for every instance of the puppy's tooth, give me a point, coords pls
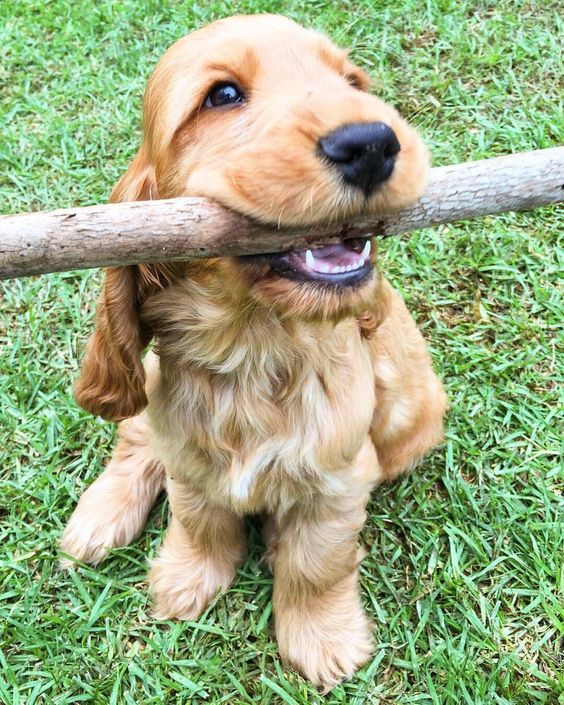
(310, 259)
(366, 251)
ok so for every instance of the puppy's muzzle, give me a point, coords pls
(364, 153)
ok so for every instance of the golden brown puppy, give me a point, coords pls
(285, 385)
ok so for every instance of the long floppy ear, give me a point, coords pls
(138, 183)
(112, 379)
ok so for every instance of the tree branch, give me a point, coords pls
(187, 228)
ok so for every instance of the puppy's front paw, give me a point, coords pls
(98, 526)
(86, 541)
(183, 586)
(326, 640)
(113, 510)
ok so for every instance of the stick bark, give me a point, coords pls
(187, 228)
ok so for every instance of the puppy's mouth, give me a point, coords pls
(345, 264)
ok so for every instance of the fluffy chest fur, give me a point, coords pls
(255, 410)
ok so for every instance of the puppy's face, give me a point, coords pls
(274, 121)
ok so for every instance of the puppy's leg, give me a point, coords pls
(113, 510)
(321, 627)
(201, 551)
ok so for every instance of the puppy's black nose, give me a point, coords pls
(364, 152)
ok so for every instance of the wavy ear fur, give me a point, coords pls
(112, 378)
(138, 183)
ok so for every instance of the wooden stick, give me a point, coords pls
(187, 228)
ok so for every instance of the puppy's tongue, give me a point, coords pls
(330, 250)
(335, 259)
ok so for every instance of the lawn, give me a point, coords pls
(464, 576)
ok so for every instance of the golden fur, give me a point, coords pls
(263, 395)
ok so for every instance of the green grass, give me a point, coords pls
(464, 577)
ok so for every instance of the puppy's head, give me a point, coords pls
(274, 121)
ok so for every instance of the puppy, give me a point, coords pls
(284, 385)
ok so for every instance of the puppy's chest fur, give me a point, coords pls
(255, 411)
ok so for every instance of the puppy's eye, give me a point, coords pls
(354, 80)
(224, 94)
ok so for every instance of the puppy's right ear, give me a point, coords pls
(138, 183)
(112, 378)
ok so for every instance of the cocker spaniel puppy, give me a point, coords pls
(285, 385)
